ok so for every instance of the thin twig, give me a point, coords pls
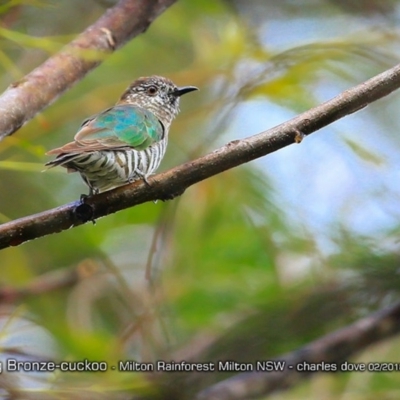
(26, 97)
(329, 351)
(163, 226)
(48, 282)
(175, 181)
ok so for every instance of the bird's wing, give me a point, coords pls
(120, 126)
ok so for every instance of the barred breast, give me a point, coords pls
(106, 169)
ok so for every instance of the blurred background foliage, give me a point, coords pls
(248, 265)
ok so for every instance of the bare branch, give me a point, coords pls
(175, 181)
(25, 98)
(331, 349)
(48, 282)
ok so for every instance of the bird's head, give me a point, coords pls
(156, 94)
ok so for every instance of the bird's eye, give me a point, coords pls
(152, 90)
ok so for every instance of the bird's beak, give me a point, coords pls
(182, 90)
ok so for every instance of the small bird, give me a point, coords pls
(126, 142)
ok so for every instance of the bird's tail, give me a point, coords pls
(61, 160)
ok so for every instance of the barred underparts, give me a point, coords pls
(106, 169)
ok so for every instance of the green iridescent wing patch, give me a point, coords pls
(119, 126)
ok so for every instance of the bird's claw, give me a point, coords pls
(83, 197)
(145, 180)
(83, 210)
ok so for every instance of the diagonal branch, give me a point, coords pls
(25, 98)
(50, 281)
(329, 352)
(177, 180)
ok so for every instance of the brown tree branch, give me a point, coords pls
(25, 98)
(177, 180)
(45, 283)
(331, 349)
(49, 282)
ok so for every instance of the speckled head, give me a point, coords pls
(157, 94)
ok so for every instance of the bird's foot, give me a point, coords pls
(84, 211)
(143, 176)
(83, 197)
(92, 192)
